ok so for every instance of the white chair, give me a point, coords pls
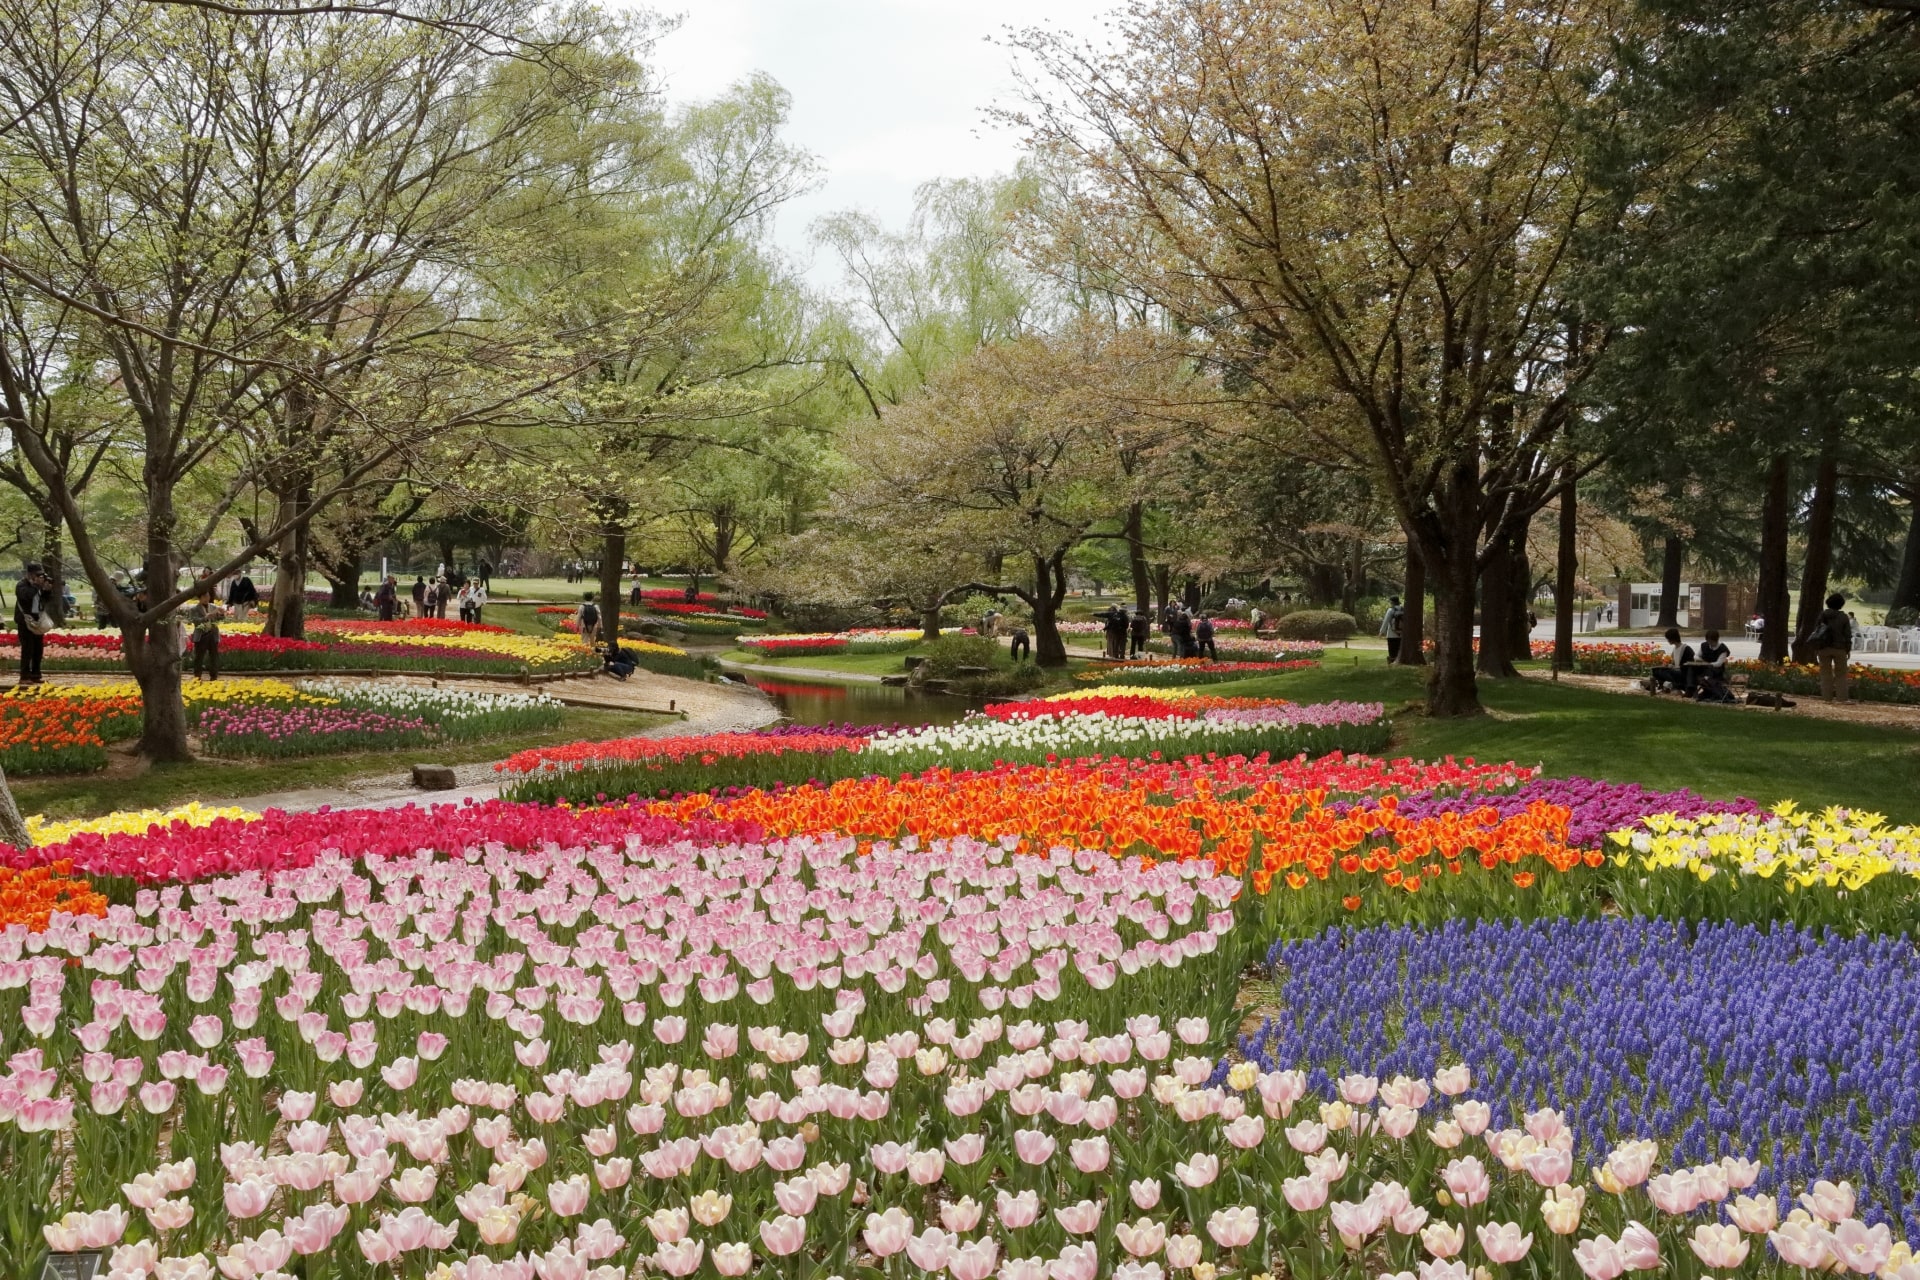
(1876, 639)
(1910, 639)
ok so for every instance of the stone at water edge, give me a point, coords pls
(434, 777)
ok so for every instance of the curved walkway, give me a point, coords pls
(707, 708)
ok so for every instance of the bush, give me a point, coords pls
(1316, 624)
(1903, 616)
(1021, 677)
(948, 654)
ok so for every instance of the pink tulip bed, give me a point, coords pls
(269, 731)
(524, 1042)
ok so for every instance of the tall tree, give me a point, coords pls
(1364, 207)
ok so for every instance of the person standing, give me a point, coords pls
(32, 621)
(1140, 630)
(1203, 639)
(587, 619)
(205, 617)
(386, 601)
(442, 596)
(484, 572)
(1390, 628)
(1831, 640)
(478, 600)
(1116, 633)
(1182, 633)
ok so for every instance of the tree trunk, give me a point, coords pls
(13, 828)
(1190, 594)
(1137, 555)
(1671, 562)
(287, 617)
(1519, 601)
(1049, 589)
(613, 552)
(1162, 587)
(1566, 578)
(1773, 564)
(1495, 657)
(1451, 687)
(344, 577)
(930, 616)
(1413, 624)
(1352, 581)
(447, 552)
(1819, 563)
(1906, 592)
(51, 527)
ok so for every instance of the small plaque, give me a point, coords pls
(72, 1266)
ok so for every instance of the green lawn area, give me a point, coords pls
(218, 781)
(1663, 742)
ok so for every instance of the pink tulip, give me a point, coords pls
(961, 1216)
(784, 1235)
(1860, 1248)
(1080, 1219)
(929, 1249)
(1828, 1201)
(1304, 1195)
(346, 1093)
(1549, 1167)
(1442, 1269)
(784, 1155)
(1199, 1170)
(1090, 1155)
(248, 1199)
(681, 1258)
(925, 1168)
(1357, 1090)
(1353, 1223)
(974, 1260)
(1599, 1258)
(887, 1233)
(1017, 1211)
(1183, 1251)
(1233, 1228)
(568, 1198)
(1502, 1241)
(1756, 1214)
(1466, 1178)
(1033, 1146)
(966, 1149)
(1076, 1262)
(1639, 1248)
(796, 1196)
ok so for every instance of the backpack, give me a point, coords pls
(589, 616)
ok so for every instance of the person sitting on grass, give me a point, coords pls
(1674, 675)
(618, 663)
(1710, 682)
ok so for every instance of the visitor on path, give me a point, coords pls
(619, 664)
(1258, 618)
(1203, 639)
(1141, 630)
(205, 617)
(242, 595)
(1390, 628)
(587, 619)
(32, 621)
(1676, 674)
(484, 572)
(1182, 628)
(1710, 684)
(419, 596)
(386, 601)
(442, 596)
(1831, 640)
(478, 600)
(1116, 632)
(1021, 647)
(463, 601)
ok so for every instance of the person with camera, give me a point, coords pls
(32, 619)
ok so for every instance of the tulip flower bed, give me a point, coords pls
(283, 732)
(1638, 1028)
(1051, 730)
(62, 734)
(725, 1057)
(856, 641)
(1249, 648)
(1190, 672)
(132, 822)
(1595, 808)
(456, 715)
(29, 898)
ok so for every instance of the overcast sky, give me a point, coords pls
(886, 93)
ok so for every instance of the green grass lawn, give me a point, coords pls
(1659, 742)
(218, 781)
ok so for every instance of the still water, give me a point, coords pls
(807, 702)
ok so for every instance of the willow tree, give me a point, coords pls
(1362, 205)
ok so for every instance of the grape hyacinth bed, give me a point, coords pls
(1798, 1050)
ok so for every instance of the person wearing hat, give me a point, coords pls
(31, 620)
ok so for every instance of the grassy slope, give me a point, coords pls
(164, 786)
(1717, 751)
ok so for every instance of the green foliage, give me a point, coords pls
(948, 654)
(1316, 624)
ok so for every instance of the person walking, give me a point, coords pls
(1116, 633)
(478, 600)
(419, 593)
(463, 601)
(1182, 628)
(1390, 628)
(1831, 639)
(32, 620)
(1203, 639)
(587, 619)
(1140, 630)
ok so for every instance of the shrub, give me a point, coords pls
(1021, 677)
(1316, 624)
(948, 654)
(1904, 615)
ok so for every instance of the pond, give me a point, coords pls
(821, 702)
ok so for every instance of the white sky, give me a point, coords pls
(886, 93)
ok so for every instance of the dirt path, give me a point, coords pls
(708, 708)
(1884, 714)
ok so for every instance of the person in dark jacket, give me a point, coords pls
(32, 599)
(1141, 630)
(1203, 639)
(1832, 643)
(1182, 628)
(419, 597)
(387, 599)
